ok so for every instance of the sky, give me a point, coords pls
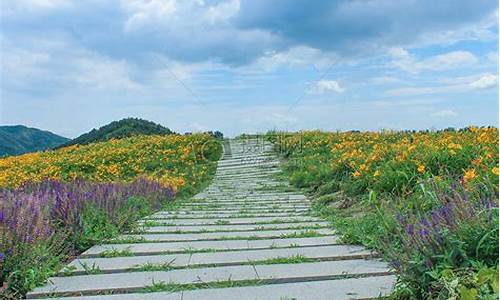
(249, 65)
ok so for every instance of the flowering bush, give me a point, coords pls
(449, 251)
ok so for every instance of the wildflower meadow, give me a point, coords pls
(426, 200)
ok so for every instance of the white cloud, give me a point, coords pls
(486, 81)
(386, 80)
(97, 72)
(222, 12)
(399, 53)
(451, 85)
(30, 66)
(447, 61)
(300, 56)
(33, 5)
(396, 104)
(482, 30)
(402, 59)
(147, 11)
(444, 113)
(326, 86)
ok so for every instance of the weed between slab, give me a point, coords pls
(205, 250)
(261, 228)
(302, 234)
(168, 266)
(162, 286)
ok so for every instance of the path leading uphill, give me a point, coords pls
(247, 236)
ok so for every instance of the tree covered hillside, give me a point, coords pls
(120, 129)
(18, 139)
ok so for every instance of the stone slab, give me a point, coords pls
(117, 264)
(244, 235)
(242, 227)
(342, 289)
(234, 221)
(133, 281)
(154, 248)
(228, 216)
(224, 211)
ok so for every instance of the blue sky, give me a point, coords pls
(249, 65)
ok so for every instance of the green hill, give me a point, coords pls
(119, 129)
(19, 139)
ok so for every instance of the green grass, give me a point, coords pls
(175, 287)
(259, 228)
(149, 267)
(208, 250)
(222, 222)
(295, 259)
(117, 253)
(302, 234)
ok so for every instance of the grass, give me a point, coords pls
(149, 267)
(259, 228)
(175, 287)
(209, 250)
(295, 259)
(168, 266)
(127, 240)
(222, 222)
(302, 234)
(117, 253)
(90, 270)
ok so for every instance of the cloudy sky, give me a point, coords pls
(249, 65)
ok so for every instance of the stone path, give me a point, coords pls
(248, 236)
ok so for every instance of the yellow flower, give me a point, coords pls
(421, 169)
(469, 175)
(495, 170)
(356, 174)
(376, 174)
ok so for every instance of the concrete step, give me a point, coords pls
(229, 216)
(226, 258)
(239, 203)
(341, 289)
(234, 221)
(223, 245)
(279, 273)
(222, 228)
(239, 206)
(209, 236)
(224, 212)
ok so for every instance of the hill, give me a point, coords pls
(19, 139)
(120, 129)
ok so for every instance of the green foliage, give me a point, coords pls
(16, 140)
(30, 266)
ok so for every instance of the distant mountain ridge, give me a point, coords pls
(119, 129)
(19, 139)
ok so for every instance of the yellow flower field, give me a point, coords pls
(173, 160)
(391, 161)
